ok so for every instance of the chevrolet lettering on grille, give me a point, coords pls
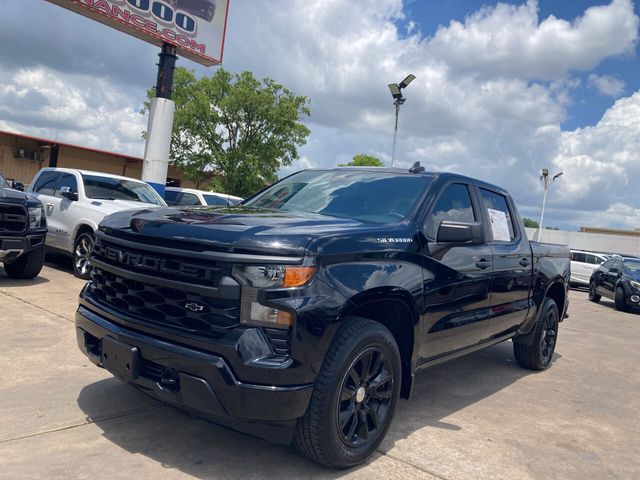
(176, 268)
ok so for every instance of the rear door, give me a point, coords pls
(457, 277)
(611, 272)
(512, 265)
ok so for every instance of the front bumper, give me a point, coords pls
(11, 247)
(197, 381)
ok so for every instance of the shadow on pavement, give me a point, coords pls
(203, 449)
(59, 262)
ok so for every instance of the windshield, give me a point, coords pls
(632, 267)
(3, 182)
(372, 197)
(107, 188)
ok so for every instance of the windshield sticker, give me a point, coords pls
(499, 225)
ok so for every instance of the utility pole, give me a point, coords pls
(160, 126)
(544, 178)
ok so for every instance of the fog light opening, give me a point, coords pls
(635, 298)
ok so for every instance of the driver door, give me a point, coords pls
(456, 278)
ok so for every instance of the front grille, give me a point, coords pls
(169, 307)
(13, 218)
(169, 267)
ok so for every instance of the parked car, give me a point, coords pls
(76, 201)
(583, 264)
(189, 196)
(618, 279)
(304, 313)
(23, 228)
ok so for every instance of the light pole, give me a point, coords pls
(396, 93)
(544, 178)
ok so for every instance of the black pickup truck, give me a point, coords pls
(23, 227)
(304, 313)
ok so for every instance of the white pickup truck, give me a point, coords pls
(76, 201)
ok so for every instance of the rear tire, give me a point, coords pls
(354, 397)
(27, 266)
(82, 250)
(538, 354)
(620, 300)
(593, 296)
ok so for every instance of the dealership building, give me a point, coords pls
(21, 156)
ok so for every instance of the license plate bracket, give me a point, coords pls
(120, 359)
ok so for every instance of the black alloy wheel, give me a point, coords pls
(548, 336)
(354, 397)
(365, 397)
(535, 350)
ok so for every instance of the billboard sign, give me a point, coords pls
(195, 27)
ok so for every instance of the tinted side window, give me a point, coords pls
(188, 199)
(170, 197)
(498, 213)
(578, 257)
(454, 204)
(609, 263)
(46, 183)
(66, 180)
(593, 259)
(213, 200)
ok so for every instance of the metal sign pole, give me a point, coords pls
(160, 125)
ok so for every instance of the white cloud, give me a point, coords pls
(510, 40)
(602, 163)
(75, 108)
(606, 84)
(490, 95)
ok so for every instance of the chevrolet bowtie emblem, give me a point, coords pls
(194, 307)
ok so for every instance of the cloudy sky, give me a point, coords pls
(502, 90)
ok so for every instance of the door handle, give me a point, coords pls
(483, 263)
(525, 262)
(49, 207)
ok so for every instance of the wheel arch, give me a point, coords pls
(396, 310)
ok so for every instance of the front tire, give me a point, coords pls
(538, 354)
(82, 250)
(354, 398)
(620, 300)
(27, 265)
(593, 296)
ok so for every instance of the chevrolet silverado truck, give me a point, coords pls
(23, 229)
(303, 313)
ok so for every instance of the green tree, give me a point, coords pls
(363, 160)
(232, 132)
(530, 223)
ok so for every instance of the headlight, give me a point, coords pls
(635, 284)
(35, 217)
(274, 276)
(256, 277)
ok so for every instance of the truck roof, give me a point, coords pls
(90, 172)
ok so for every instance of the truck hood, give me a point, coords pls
(113, 206)
(8, 195)
(233, 229)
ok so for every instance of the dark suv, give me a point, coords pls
(23, 229)
(618, 279)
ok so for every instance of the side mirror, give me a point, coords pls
(460, 232)
(66, 192)
(17, 186)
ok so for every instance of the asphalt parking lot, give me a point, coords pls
(477, 417)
